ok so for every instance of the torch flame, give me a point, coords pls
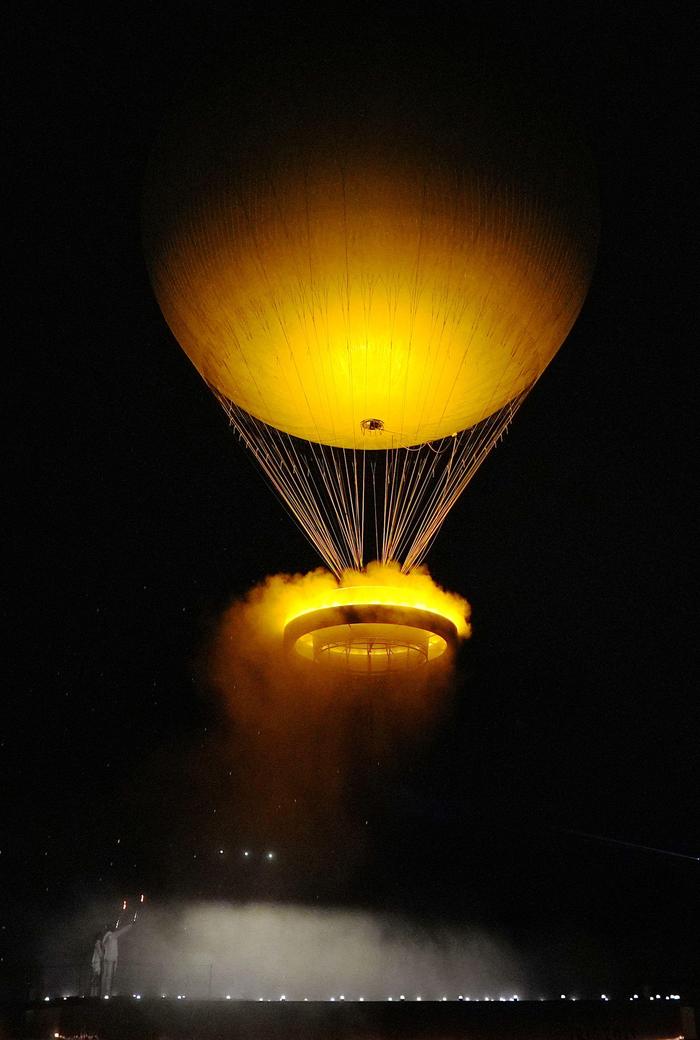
(379, 584)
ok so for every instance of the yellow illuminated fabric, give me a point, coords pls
(319, 295)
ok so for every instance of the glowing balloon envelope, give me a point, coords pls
(369, 297)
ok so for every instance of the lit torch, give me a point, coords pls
(136, 911)
(120, 916)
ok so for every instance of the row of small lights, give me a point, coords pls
(671, 996)
(283, 996)
(247, 854)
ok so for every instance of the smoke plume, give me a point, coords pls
(311, 746)
(269, 950)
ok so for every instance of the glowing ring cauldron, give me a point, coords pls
(370, 638)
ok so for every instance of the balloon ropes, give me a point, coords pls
(370, 294)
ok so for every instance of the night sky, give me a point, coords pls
(135, 518)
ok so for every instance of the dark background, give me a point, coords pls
(134, 518)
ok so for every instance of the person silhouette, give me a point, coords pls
(110, 956)
(96, 965)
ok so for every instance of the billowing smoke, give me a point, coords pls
(310, 747)
(269, 950)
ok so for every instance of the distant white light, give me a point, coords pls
(261, 998)
(341, 997)
(636, 996)
(47, 998)
(658, 996)
(163, 996)
(361, 998)
(333, 998)
(282, 997)
(419, 998)
(402, 997)
(444, 998)
(107, 996)
(563, 996)
(603, 996)
(270, 855)
(246, 852)
(389, 998)
(221, 852)
(228, 996)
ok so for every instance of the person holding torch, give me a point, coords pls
(110, 947)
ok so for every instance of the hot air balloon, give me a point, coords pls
(370, 291)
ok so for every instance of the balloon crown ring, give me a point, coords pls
(371, 425)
